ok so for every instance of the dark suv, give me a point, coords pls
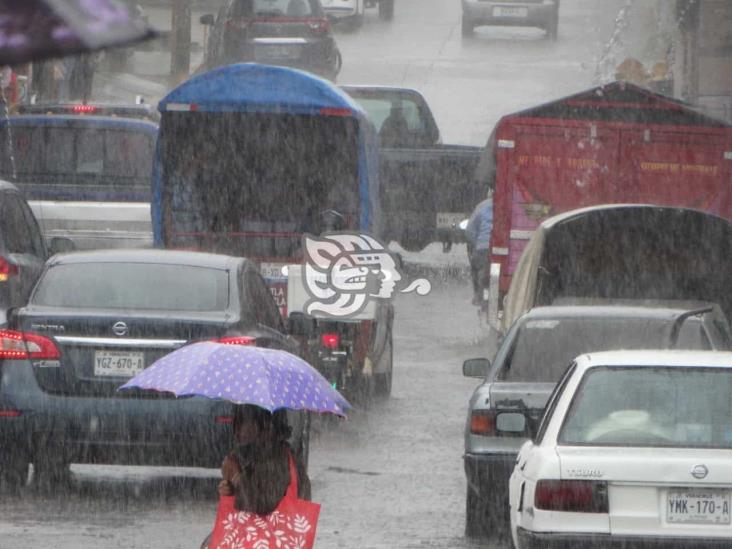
(94, 320)
(293, 33)
(22, 251)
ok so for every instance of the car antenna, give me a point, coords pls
(679, 321)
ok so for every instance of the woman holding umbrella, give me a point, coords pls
(257, 472)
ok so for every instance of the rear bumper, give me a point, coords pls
(111, 430)
(483, 13)
(488, 474)
(534, 540)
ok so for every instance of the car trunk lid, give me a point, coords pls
(101, 350)
(527, 397)
(658, 491)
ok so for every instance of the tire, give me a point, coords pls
(485, 518)
(13, 473)
(382, 382)
(386, 10)
(51, 471)
(467, 27)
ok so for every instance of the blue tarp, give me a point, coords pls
(249, 87)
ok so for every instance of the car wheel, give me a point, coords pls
(467, 27)
(485, 517)
(382, 382)
(386, 9)
(50, 471)
(13, 472)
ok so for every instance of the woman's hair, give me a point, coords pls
(281, 430)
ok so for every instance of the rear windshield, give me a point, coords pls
(266, 187)
(544, 348)
(58, 152)
(133, 286)
(651, 406)
(275, 8)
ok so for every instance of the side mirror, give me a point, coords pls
(299, 324)
(206, 19)
(59, 245)
(476, 367)
(511, 422)
(332, 221)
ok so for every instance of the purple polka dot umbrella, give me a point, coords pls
(242, 374)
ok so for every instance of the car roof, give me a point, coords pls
(671, 358)
(664, 310)
(171, 257)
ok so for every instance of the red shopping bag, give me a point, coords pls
(290, 526)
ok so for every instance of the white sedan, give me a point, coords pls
(345, 10)
(635, 449)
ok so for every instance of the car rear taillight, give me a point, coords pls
(237, 340)
(319, 26)
(330, 340)
(483, 422)
(574, 496)
(224, 420)
(83, 109)
(7, 269)
(10, 413)
(23, 345)
(238, 24)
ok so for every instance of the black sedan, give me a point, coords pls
(94, 320)
(292, 33)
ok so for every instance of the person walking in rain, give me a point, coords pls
(257, 471)
(478, 236)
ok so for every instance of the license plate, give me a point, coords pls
(270, 51)
(118, 363)
(502, 11)
(448, 219)
(273, 271)
(698, 506)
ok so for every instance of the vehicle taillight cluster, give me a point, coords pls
(24, 345)
(319, 26)
(237, 340)
(483, 422)
(574, 496)
(83, 109)
(330, 340)
(7, 269)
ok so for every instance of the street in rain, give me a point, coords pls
(468, 260)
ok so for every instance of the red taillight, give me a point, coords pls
(83, 109)
(237, 340)
(330, 341)
(7, 269)
(574, 496)
(20, 345)
(319, 26)
(483, 422)
(10, 413)
(224, 420)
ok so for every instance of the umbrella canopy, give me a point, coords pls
(268, 378)
(32, 30)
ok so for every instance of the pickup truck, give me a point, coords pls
(426, 187)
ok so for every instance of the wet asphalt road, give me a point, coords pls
(391, 476)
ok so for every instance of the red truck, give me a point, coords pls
(613, 144)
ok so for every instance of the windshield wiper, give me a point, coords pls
(679, 321)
